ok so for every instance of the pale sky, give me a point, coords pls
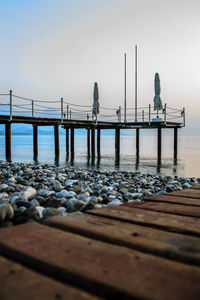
(59, 48)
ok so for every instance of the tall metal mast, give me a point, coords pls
(124, 87)
(136, 83)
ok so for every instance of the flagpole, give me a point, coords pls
(125, 87)
(135, 83)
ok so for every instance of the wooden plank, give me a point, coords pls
(174, 200)
(18, 282)
(107, 270)
(175, 223)
(176, 209)
(189, 193)
(196, 186)
(172, 245)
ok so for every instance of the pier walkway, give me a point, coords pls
(145, 250)
(16, 109)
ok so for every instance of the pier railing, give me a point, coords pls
(14, 105)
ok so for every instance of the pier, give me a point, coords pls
(39, 113)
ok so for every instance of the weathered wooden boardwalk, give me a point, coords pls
(148, 250)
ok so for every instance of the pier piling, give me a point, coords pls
(56, 140)
(159, 143)
(88, 141)
(35, 142)
(67, 141)
(98, 141)
(175, 142)
(93, 141)
(8, 141)
(72, 141)
(137, 141)
(117, 141)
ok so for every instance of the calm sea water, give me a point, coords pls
(188, 163)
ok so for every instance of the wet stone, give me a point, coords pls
(57, 186)
(27, 193)
(3, 212)
(49, 212)
(26, 215)
(31, 192)
(23, 203)
(3, 187)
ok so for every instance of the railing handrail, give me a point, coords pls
(67, 110)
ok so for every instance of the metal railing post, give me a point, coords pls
(149, 114)
(32, 108)
(184, 116)
(10, 105)
(165, 114)
(143, 115)
(120, 114)
(87, 117)
(67, 111)
(61, 103)
(70, 114)
(92, 116)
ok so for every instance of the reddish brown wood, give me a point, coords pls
(175, 246)
(112, 271)
(18, 282)
(196, 186)
(176, 209)
(175, 200)
(175, 223)
(189, 193)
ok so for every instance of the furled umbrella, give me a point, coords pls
(95, 108)
(157, 100)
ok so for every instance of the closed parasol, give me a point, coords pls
(95, 108)
(157, 100)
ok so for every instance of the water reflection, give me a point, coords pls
(137, 161)
(72, 159)
(146, 161)
(57, 162)
(117, 159)
(98, 160)
(93, 160)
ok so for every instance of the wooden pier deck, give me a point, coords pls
(17, 109)
(148, 250)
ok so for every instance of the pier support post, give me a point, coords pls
(175, 142)
(98, 141)
(56, 140)
(67, 141)
(137, 141)
(35, 142)
(88, 141)
(117, 141)
(159, 143)
(72, 141)
(93, 141)
(137, 146)
(8, 141)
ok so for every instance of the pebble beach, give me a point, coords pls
(30, 192)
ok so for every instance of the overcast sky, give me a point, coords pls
(59, 48)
